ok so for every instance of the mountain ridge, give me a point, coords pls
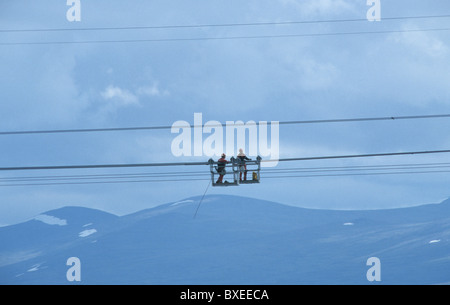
(231, 240)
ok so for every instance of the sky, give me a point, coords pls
(398, 71)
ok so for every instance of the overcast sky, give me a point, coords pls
(120, 84)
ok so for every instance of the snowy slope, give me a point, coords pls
(232, 240)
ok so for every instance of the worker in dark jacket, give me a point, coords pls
(242, 167)
(221, 168)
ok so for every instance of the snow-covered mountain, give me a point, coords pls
(232, 240)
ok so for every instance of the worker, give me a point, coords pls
(242, 166)
(221, 163)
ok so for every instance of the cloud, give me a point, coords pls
(320, 7)
(152, 91)
(40, 88)
(316, 75)
(304, 71)
(115, 98)
(423, 42)
(121, 97)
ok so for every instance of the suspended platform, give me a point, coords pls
(234, 170)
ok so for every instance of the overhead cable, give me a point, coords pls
(235, 124)
(241, 24)
(131, 165)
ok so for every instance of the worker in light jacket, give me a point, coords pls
(242, 166)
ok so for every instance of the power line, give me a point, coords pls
(101, 176)
(176, 175)
(358, 174)
(22, 168)
(391, 118)
(101, 182)
(204, 173)
(206, 179)
(186, 176)
(381, 168)
(215, 25)
(361, 167)
(101, 166)
(222, 38)
(360, 156)
(250, 123)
